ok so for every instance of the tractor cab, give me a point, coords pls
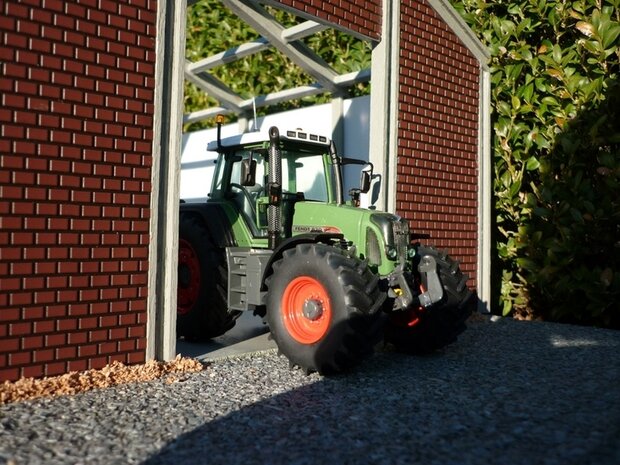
(309, 171)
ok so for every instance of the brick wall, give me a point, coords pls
(76, 119)
(361, 16)
(437, 173)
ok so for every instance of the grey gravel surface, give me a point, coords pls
(507, 392)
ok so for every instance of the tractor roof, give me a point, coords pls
(297, 135)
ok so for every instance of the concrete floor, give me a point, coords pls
(250, 334)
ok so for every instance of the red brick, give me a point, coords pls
(43, 355)
(20, 358)
(23, 268)
(77, 338)
(127, 345)
(136, 357)
(20, 329)
(88, 323)
(55, 368)
(52, 340)
(129, 293)
(10, 284)
(78, 253)
(109, 294)
(56, 311)
(77, 365)
(9, 345)
(9, 374)
(97, 362)
(32, 342)
(117, 333)
(127, 319)
(64, 353)
(67, 267)
(99, 308)
(32, 371)
(137, 331)
(33, 313)
(66, 324)
(107, 348)
(78, 309)
(109, 266)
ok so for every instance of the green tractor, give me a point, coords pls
(330, 279)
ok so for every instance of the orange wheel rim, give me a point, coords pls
(306, 310)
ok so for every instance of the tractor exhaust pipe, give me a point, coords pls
(337, 171)
(274, 188)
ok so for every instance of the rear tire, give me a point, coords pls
(202, 308)
(421, 331)
(323, 308)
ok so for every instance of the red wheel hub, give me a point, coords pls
(306, 310)
(188, 287)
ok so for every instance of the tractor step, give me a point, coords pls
(245, 273)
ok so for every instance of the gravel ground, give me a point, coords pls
(507, 392)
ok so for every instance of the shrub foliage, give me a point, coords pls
(556, 146)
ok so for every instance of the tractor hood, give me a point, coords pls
(369, 230)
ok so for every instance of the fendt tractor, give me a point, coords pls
(329, 278)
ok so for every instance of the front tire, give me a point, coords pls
(323, 308)
(422, 331)
(202, 308)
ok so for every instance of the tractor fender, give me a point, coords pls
(213, 216)
(292, 242)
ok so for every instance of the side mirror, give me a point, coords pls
(365, 181)
(248, 172)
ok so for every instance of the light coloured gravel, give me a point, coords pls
(111, 375)
(507, 392)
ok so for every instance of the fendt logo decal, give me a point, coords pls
(316, 229)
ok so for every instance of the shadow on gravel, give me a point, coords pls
(507, 393)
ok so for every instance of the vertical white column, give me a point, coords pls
(167, 127)
(485, 195)
(384, 107)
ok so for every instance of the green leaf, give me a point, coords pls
(532, 164)
(610, 36)
(557, 53)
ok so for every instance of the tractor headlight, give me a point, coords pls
(391, 252)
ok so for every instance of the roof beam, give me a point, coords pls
(298, 52)
(260, 101)
(229, 56)
(291, 34)
(216, 89)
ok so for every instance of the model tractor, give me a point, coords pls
(331, 279)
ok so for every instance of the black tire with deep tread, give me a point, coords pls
(209, 316)
(440, 324)
(357, 319)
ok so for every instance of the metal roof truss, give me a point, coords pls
(287, 41)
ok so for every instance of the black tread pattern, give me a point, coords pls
(209, 317)
(440, 324)
(356, 305)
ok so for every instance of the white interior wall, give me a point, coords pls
(197, 164)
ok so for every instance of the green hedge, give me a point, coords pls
(556, 146)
